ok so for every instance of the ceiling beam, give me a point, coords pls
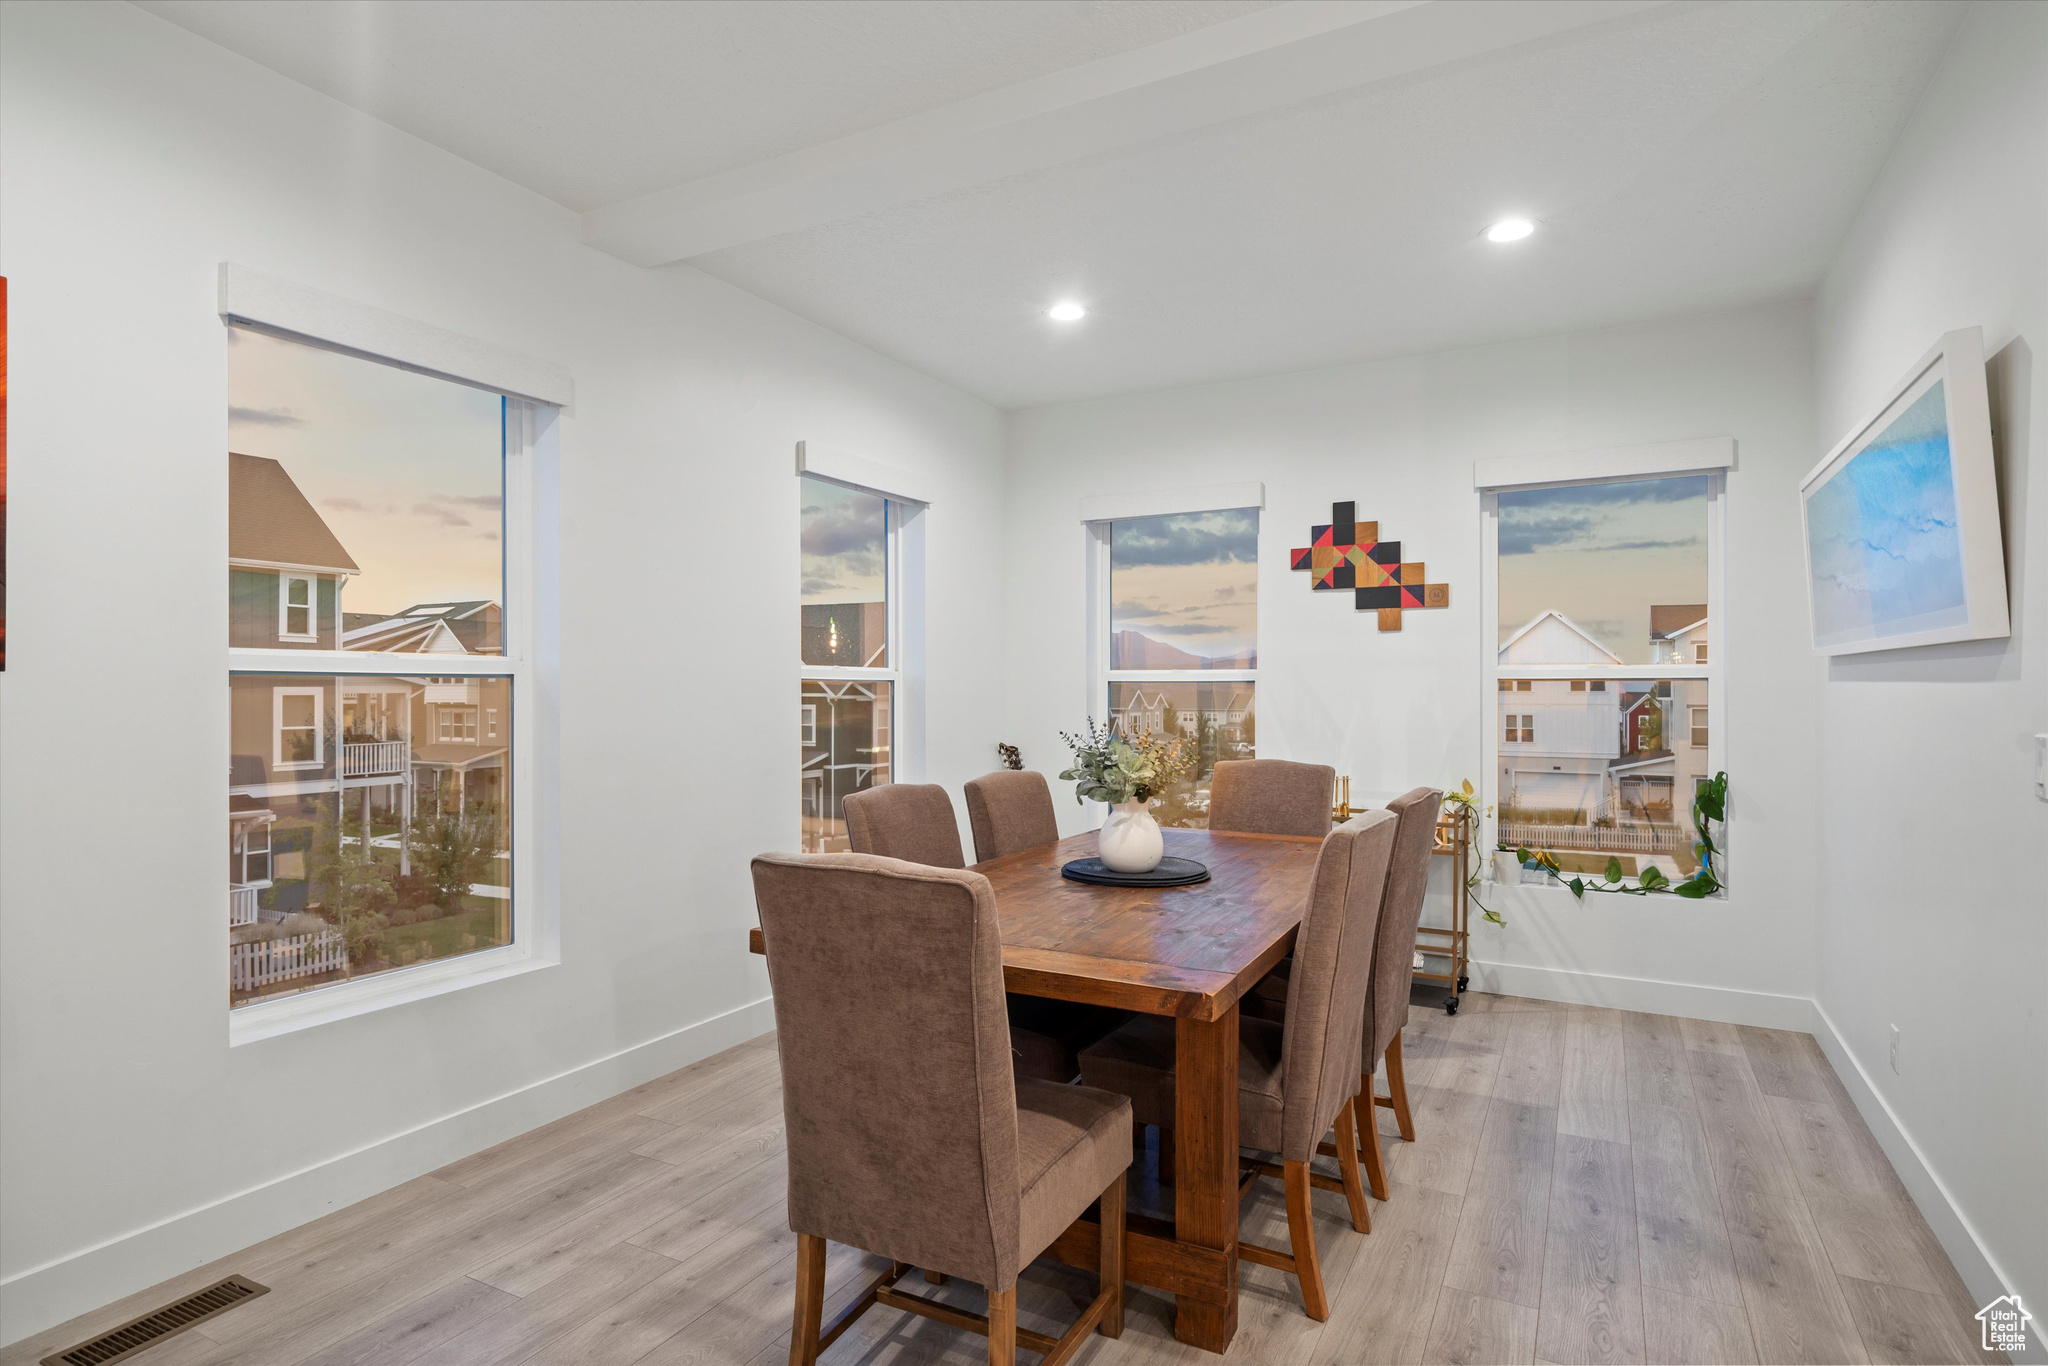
(1262, 61)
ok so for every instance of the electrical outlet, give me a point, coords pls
(1895, 1050)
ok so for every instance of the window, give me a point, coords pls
(296, 608)
(300, 741)
(1602, 603)
(847, 652)
(1178, 598)
(370, 803)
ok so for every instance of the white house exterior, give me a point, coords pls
(1558, 736)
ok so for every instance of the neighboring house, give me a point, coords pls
(286, 570)
(845, 739)
(1678, 633)
(1558, 736)
(476, 627)
(1229, 716)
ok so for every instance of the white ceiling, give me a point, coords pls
(1231, 190)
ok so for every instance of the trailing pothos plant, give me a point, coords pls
(1709, 804)
(1463, 804)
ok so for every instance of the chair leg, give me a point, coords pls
(1301, 1231)
(934, 1277)
(1347, 1165)
(1369, 1140)
(810, 1300)
(1002, 1327)
(1399, 1087)
(1112, 1259)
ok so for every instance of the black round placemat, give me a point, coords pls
(1171, 872)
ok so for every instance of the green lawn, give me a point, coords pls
(439, 938)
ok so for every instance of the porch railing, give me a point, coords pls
(242, 905)
(1602, 839)
(381, 756)
(276, 960)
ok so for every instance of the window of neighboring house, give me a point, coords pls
(297, 608)
(300, 739)
(1178, 603)
(847, 650)
(455, 725)
(380, 853)
(1592, 582)
(251, 853)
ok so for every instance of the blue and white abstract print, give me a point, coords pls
(1883, 543)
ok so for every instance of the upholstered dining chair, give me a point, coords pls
(1296, 1079)
(907, 1135)
(1393, 973)
(912, 821)
(1271, 797)
(1009, 810)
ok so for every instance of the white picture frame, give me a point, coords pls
(1900, 522)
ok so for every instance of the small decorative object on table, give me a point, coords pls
(1012, 759)
(1126, 774)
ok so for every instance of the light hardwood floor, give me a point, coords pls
(1585, 1186)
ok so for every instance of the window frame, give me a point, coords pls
(277, 729)
(1494, 678)
(530, 452)
(285, 579)
(1101, 677)
(902, 563)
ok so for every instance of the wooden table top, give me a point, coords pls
(1187, 951)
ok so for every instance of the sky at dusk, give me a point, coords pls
(1603, 555)
(1191, 581)
(406, 470)
(845, 544)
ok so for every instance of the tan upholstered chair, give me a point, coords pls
(1298, 1079)
(907, 1135)
(1010, 810)
(1393, 971)
(1272, 797)
(912, 821)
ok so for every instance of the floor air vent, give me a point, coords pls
(154, 1327)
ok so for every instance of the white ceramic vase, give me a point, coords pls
(1129, 842)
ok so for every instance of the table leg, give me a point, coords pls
(1205, 1194)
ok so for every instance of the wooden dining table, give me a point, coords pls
(1185, 952)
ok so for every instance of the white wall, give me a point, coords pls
(136, 1143)
(1396, 710)
(1934, 910)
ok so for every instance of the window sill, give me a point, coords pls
(345, 1000)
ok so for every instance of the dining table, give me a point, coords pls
(1189, 953)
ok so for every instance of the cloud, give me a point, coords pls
(1527, 535)
(1198, 629)
(265, 417)
(814, 586)
(447, 508)
(1228, 593)
(1128, 610)
(345, 504)
(443, 516)
(1620, 494)
(1678, 544)
(851, 526)
(1191, 538)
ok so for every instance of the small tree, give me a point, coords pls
(456, 849)
(353, 887)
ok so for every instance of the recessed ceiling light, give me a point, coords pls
(1510, 230)
(1066, 311)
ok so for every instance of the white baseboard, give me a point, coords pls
(1980, 1271)
(1723, 1004)
(42, 1296)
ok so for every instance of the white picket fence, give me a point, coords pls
(275, 960)
(1608, 839)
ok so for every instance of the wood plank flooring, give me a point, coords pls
(1585, 1186)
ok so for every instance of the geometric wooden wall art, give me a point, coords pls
(1349, 554)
